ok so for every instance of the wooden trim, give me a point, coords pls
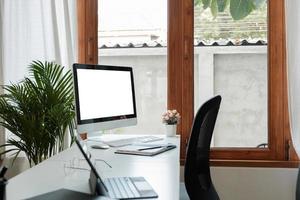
(187, 72)
(256, 163)
(87, 31)
(240, 153)
(276, 47)
(175, 60)
(181, 64)
(251, 163)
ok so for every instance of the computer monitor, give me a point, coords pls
(104, 97)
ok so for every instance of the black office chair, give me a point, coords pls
(262, 145)
(197, 177)
(298, 186)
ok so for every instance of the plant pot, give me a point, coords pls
(171, 130)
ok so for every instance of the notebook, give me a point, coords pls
(145, 149)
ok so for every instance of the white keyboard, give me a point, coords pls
(121, 188)
(129, 188)
(128, 141)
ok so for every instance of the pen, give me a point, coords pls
(148, 148)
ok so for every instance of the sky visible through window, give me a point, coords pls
(132, 15)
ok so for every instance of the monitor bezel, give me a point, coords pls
(77, 66)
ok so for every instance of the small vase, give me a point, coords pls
(171, 130)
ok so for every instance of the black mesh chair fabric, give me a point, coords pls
(197, 177)
(298, 186)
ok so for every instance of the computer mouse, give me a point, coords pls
(100, 146)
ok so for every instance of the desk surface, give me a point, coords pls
(161, 171)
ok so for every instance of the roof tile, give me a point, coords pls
(197, 44)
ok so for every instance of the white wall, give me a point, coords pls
(20, 165)
(2, 136)
(239, 75)
(243, 183)
(242, 81)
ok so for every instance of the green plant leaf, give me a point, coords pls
(197, 2)
(15, 156)
(7, 151)
(214, 8)
(258, 3)
(222, 5)
(239, 9)
(206, 3)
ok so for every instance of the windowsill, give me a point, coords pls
(253, 163)
(256, 163)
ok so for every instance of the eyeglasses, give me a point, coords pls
(80, 164)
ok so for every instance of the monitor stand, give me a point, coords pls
(96, 134)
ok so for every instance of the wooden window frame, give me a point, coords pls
(87, 26)
(180, 59)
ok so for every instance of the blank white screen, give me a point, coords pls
(104, 93)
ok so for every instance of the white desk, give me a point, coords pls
(161, 171)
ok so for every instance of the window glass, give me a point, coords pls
(133, 33)
(231, 61)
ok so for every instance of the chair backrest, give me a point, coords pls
(298, 186)
(198, 181)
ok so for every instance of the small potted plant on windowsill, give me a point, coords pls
(171, 118)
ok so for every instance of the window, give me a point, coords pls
(231, 60)
(180, 77)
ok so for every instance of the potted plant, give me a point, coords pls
(38, 111)
(171, 119)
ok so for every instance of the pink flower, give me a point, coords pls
(171, 117)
